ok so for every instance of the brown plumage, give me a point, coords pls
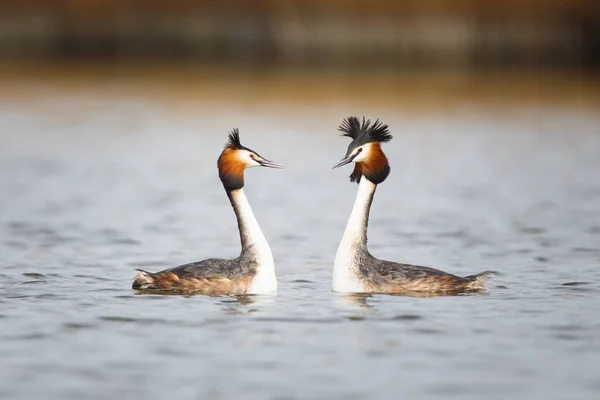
(434, 283)
(170, 282)
(230, 164)
(231, 169)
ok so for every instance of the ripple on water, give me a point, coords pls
(564, 327)
(144, 321)
(407, 317)
(96, 278)
(33, 275)
(150, 264)
(49, 296)
(575, 283)
(459, 234)
(28, 336)
(576, 289)
(127, 320)
(109, 290)
(584, 250)
(429, 331)
(125, 296)
(17, 244)
(568, 337)
(356, 317)
(532, 230)
(77, 326)
(81, 320)
(55, 240)
(295, 320)
(292, 238)
(524, 251)
(124, 242)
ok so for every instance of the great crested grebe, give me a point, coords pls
(253, 272)
(355, 270)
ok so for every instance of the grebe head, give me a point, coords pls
(365, 149)
(235, 158)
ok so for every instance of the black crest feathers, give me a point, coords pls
(234, 140)
(365, 131)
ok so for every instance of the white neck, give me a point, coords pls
(353, 247)
(254, 244)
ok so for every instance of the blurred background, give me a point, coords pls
(367, 39)
(466, 34)
(406, 52)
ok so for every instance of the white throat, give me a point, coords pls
(255, 243)
(353, 247)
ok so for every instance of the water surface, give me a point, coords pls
(96, 182)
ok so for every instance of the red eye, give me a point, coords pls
(359, 149)
(251, 155)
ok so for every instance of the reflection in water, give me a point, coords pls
(247, 299)
(575, 283)
(241, 301)
(361, 299)
(229, 300)
(353, 300)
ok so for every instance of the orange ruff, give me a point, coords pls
(376, 161)
(230, 164)
(373, 165)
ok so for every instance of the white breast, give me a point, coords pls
(353, 246)
(265, 280)
(345, 271)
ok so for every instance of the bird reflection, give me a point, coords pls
(356, 299)
(241, 299)
(230, 301)
(367, 300)
(238, 304)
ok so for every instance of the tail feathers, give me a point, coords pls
(142, 280)
(478, 281)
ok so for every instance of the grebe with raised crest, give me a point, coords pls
(253, 272)
(355, 270)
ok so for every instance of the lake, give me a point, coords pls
(103, 173)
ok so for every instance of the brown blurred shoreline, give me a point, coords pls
(467, 34)
(178, 84)
(381, 53)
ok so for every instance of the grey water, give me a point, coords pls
(93, 186)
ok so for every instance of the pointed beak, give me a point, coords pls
(344, 161)
(269, 164)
